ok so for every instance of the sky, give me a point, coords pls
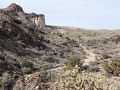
(87, 14)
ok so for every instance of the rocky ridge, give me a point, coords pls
(23, 38)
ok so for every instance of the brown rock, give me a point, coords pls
(14, 8)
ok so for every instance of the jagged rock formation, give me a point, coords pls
(25, 33)
(17, 11)
(14, 8)
(39, 19)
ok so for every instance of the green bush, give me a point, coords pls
(44, 76)
(112, 67)
(7, 81)
(104, 56)
(117, 39)
(44, 67)
(27, 64)
(105, 41)
(73, 61)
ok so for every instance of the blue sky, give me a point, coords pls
(88, 14)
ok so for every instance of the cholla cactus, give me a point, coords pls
(75, 71)
(81, 81)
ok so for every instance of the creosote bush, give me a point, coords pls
(73, 61)
(26, 64)
(112, 67)
(44, 67)
(105, 41)
(44, 76)
(104, 56)
(44, 73)
(117, 39)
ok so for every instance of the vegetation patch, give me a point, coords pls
(26, 63)
(112, 67)
(73, 61)
(74, 80)
(116, 39)
(104, 56)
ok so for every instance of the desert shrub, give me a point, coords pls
(51, 60)
(91, 42)
(117, 39)
(17, 65)
(105, 41)
(67, 38)
(26, 70)
(27, 64)
(7, 81)
(73, 80)
(73, 61)
(44, 67)
(44, 73)
(35, 68)
(111, 67)
(44, 76)
(60, 35)
(104, 56)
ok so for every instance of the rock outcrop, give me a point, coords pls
(14, 8)
(17, 11)
(38, 19)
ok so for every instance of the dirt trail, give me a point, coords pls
(91, 56)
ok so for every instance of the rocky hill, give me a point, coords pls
(25, 37)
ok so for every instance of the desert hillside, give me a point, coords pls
(36, 56)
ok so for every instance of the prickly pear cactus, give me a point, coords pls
(74, 80)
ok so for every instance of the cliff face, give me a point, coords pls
(38, 19)
(17, 11)
(18, 37)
